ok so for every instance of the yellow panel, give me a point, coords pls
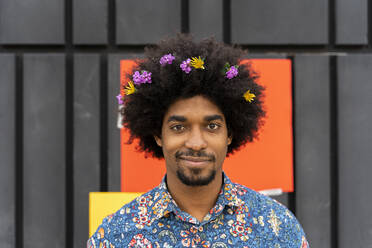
(102, 204)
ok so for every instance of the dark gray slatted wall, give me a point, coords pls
(7, 150)
(354, 96)
(59, 75)
(44, 150)
(86, 140)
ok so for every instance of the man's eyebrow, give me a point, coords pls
(176, 118)
(213, 118)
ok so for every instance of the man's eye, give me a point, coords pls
(213, 126)
(177, 128)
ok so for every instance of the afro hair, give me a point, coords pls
(143, 111)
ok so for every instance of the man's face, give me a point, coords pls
(194, 140)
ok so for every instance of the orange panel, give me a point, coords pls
(263, 164)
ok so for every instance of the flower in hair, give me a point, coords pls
(141, 78)
(120, 99)
(137, 78)
(197, 63)
(130, 89)
(146, 76)
(166, 59)
(232, 72)
(185, 66)
(248, 96)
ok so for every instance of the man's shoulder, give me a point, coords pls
(132, 210)
(130, 217)
(271, 219)
(254, 199)
(257, 201)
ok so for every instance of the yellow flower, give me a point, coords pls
(248, 96)
(197, 63)
(130, 89)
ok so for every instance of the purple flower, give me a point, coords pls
(146, 77)
(232, 72)
(139, 78)
(185, 66)
(120, 99)
(166, 59)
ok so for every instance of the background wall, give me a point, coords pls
(59, 74)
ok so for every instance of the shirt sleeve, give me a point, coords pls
(100, 237)
(293, 236)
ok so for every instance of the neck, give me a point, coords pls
(195, 200)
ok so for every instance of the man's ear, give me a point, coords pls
(158, 140)
(229, 140)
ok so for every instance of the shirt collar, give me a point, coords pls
(163, 203)
(231, 193)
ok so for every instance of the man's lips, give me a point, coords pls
(195, 159)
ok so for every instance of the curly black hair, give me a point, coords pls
(143, 111)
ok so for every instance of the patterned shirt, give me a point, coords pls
(240, 218)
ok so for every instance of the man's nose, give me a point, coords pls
(196, 140)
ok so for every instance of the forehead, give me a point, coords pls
(197, 106)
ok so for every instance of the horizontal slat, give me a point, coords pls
(279, 22)
(146, 21)
(90, 22)
(32, 22)
(351, 22)
(204, 25)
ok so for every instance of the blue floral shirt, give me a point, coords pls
(240, 218)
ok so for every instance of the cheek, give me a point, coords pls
(221, 148)
(171, 145)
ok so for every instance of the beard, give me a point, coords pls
(195, 179)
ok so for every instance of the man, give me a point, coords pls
(192, 104)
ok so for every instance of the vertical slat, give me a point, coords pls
(146, 21)
(44, 151)
(203, 25)
(114, 181)
(86, 140)
(7, 150)
(31, 22)
(284, 198)
(352, 22)
(312, 148)
(354, 150)
(90, 21)
(112, 115)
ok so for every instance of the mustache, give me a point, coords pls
(192, 153)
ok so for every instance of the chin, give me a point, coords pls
(195, 177)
